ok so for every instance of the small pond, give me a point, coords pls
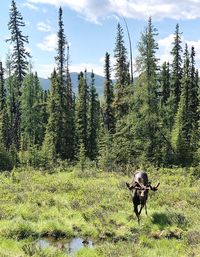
(70, 246)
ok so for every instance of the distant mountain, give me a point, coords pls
(99, 82)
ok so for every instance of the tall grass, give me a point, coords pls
(97, 205)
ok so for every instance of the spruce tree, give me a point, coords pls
(194, 91)
(82, 110)
(166, 115)
(19, 67)
(164, 84)
(19, 55)
(194, 103)
(122, 75)
(93, 123)
(60, 58)
(2, 89)
(4, 119)
(176, 69)
(108, 111)
(181, 134)
(145, 109)
(70, 119)
(31, 119)
(52, 146)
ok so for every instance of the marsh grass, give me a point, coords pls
(97, 205)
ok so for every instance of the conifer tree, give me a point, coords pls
(19, 55)
(70, 119)
(53, 139)
(43, 106)
(194, 103)
(176, 68)
(82, 111)
(166, 115)
(194, 91)
(60, 58)
(93, 123)
(122, 75)
(4, 119)
(108, 97)
(146, 106)
(31, 119)
(2, 89)
(181, 134)
(19, 67)
(164, 83)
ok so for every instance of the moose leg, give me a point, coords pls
(137, 213)
(141, 207)
(145, 208)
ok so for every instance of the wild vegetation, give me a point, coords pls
(96, 205)
(65, 158)
(153, 119)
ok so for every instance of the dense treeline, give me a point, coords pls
(153, 119)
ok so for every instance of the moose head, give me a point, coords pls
(140, 187)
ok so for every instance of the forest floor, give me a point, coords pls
(41, 213)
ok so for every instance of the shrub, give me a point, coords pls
(6, 162)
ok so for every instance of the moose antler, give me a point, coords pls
(149, 187)
(136, 185)
(155, 188)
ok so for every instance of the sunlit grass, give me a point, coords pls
(97, 205)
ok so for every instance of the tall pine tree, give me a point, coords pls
(176, 76)
(4, 119)
(181, 134)
(52, 146)
(31, 119)
(145, 108)
(70, 119)
(108, 111)
(19, 55)
(82, 111)
(19, 66)
(93, 123)
(122, 74)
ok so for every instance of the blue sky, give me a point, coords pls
(90, 27)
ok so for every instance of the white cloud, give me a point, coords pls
(97, 69)
(30, 6)
(42, 26)
(165, 47)
(49, 43)
(196, 45)
(93, 10)
(45, 70)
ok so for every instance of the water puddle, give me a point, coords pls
(70, 246)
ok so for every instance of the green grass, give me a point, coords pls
(97, 205)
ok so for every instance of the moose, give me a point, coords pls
(140, 187)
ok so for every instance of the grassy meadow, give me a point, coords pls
(96, 205)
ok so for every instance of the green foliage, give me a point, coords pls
(54, 141)
(153, 120)
(122, 75)
(6, 162)
(19, 56)
(176, 68)
(97, 205)
(93, 123)
(108, 111)
(82, 156)
(82, 106)
(31, 117)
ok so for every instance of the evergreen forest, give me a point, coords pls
(152, 118)
(65, 156)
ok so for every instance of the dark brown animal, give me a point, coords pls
(140, 187)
